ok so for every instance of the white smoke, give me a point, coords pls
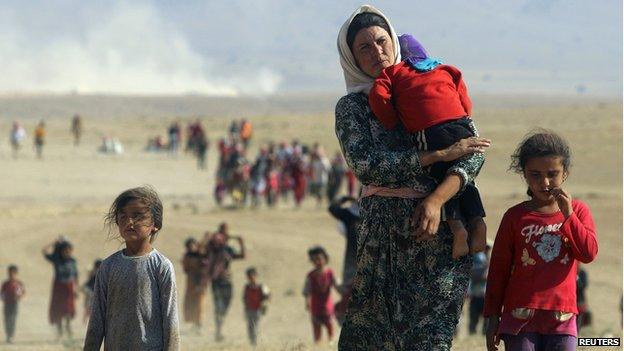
(131, 51)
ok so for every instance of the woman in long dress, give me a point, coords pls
(408, 291)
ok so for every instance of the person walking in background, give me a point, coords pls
(584, 318)
(202, 145)
(11, 293)
(135, 303)
(476, 289)
(530, 299)
(40, 134)
(335, 177)
(255, 298)
(347, 211)
(218, 256)
(317, 293)
(246, 131)
(196, 284)
(17, 136)
(297, 169)
(175, 136)
(64, 287)
(319, 169)
(76, 128)
(87, 289)
(234, 131)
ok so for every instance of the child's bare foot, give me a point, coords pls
(460, 238)
(478, 235)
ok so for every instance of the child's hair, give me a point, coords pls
(251, 271)
(97, 263)
(188, 242)
(12, 268)
(540, 143)
(318, 250)
(147, 196)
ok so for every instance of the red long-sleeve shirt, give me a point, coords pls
(419, 99)
(534, 259)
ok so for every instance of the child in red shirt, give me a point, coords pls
(530, 299)
(255, 298)
(12, 291)
(317, 292)
(432, 102)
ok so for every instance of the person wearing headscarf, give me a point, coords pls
(408, 291)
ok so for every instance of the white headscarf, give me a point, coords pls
(355, 79)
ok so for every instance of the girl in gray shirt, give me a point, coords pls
(135, 296)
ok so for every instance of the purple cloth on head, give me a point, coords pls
(411, 48)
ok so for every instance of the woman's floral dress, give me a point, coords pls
(406, 295)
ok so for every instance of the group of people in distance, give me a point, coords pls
(279, 171)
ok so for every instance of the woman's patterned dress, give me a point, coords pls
(406, 295)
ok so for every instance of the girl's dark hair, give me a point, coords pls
(318, 250)
(365, 20)
(540, 143)
(146, 195)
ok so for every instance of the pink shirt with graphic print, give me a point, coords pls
(534, 259)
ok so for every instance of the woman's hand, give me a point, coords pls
(491, 335)
(426, 218)
(464, 147)
(564, 201)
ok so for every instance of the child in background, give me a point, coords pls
(65, 286)
(530, 299)
(135, 296)
(196, 284)
(12, 291)
(255, 298)
(431, 101)
(87, 289)
(317, 292)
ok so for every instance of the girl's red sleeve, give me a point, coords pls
(580, 230)
(500, 267)
(380, 100)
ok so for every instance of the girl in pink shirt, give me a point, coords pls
(530, 299)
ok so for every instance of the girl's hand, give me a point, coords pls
(426, 218)
(464, 147)
(564, 200)
(491, 335)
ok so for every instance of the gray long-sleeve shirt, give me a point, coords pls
(134, 304)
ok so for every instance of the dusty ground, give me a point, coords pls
(68, 192)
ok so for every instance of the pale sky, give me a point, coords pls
(279, 46)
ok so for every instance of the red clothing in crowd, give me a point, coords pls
(11, 291)
(534, 259)
(419, 99)
(254, 296)
(318, 287)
